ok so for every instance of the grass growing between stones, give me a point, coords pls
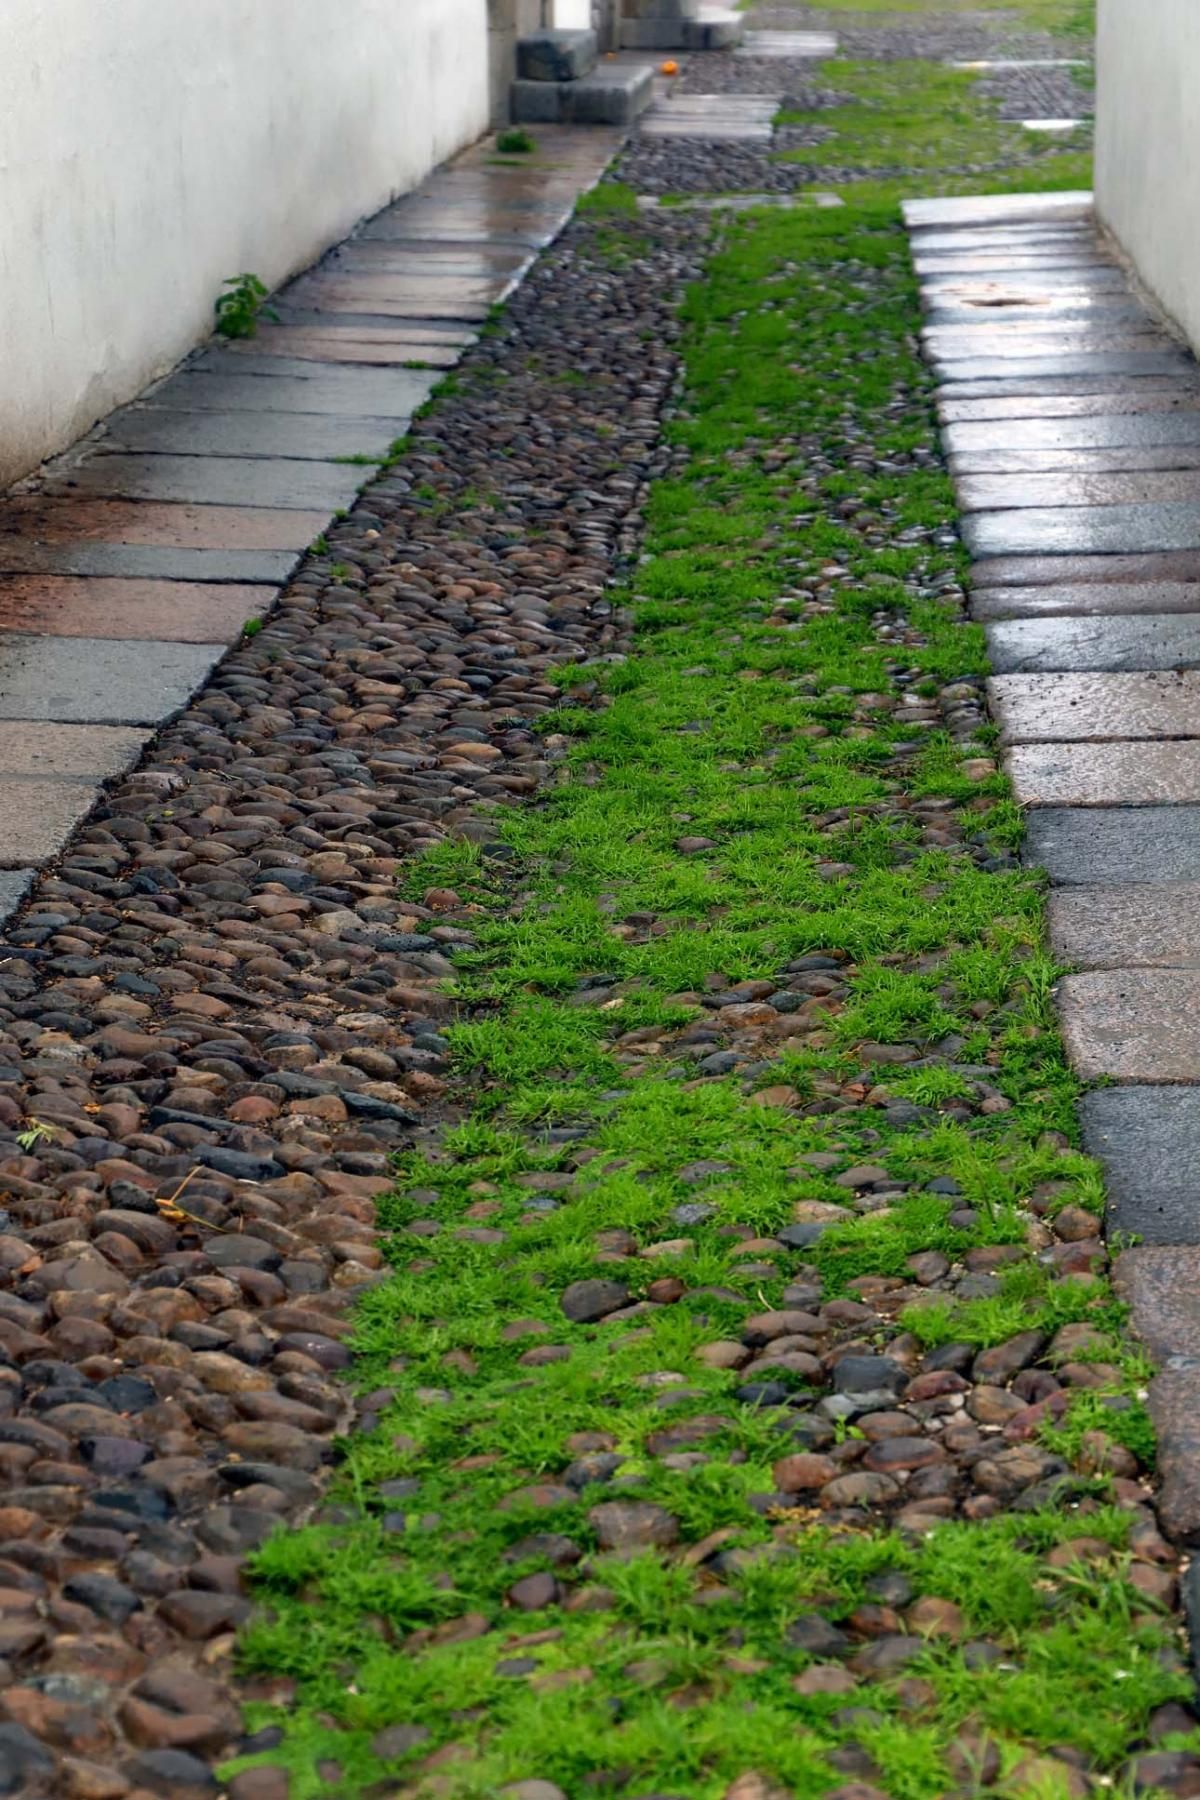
(755, 1044)
(921, 120)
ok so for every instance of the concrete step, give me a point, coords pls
(556, 55)
(612, 95)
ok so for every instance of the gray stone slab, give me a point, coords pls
(1004, 263)
(308, 437)
(1030, 393)
(1100, 599)
(1155, 641)
(1029, 311)
(1051, 571)
(113, 681)
(1132, 1025)
(1098, 530)
(556, 55)
(1060, 489)
(1052, 338)
(1161, 773)
(166, 562)
(1071, 363)
(1078, 707)
(1139, 925)
(1148, 1139)
(211, 480)
(1124, 459)
(14, 887)
(1000, 209)
(1079, 846)
(1175, 426)
(37, 818)
(1012, 237)
(326, 388)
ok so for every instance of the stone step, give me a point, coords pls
(556, 55)
(614, 95)
(715, 31)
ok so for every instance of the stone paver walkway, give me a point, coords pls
(1072, 421)
(131, 563)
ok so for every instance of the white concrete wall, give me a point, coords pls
(151, 148)
(1148, 144)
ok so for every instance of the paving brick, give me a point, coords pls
(314, 437)
(1054, 464)
(99, 680)
(1001, 209)
(212, 480)
(1039, 571)
(1098, 530)
(1067, 363)
(1174, 1405)
(345, 393)
(994, 493)
(352, 345)
(1160, 1285)
(960, 339)
(18, 556)
(1135, 1025)
(1152, 641)
(57, 521)
(1129, 774)
(1140, 925)
(393, 296)
(1120, 843)
(31, 748)
(173, 611)
(37, 818)
(1075, 708)
(1064, 401)
(1031, 390)
(1095, 600)
(1177, 426)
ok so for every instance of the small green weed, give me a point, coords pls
(241, 305)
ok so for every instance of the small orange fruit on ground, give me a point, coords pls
(670, 68)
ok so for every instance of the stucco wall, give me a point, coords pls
(150, 148)
(1148, 144)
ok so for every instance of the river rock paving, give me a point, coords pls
(1096, 663)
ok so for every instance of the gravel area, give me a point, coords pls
(890, 37)
(1037, 94)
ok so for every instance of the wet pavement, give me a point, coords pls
(1071, 420)
(131, 563)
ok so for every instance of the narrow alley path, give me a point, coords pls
(542, 1080)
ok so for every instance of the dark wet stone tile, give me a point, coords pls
(99, 680)
(1099, 599)
(1077, 846)
(1107, 528)
(14, 885)
(212, 480)
(304, 437)
(1155, 641)
(1071, 708)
